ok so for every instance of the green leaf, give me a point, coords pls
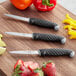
(17, 75)
(17, 67)
(44, 65)
(39, 71)
(50, 61)
(19, 72)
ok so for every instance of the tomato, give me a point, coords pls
(21, 4)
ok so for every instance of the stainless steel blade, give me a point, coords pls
(20, 34)
(24, 52)
(1, 1)
(17, 17)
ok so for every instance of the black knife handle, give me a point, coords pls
(44, 23)
(49, 37)
(56, 52)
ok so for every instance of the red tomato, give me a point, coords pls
(21, 4)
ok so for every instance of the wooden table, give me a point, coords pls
(65, 66)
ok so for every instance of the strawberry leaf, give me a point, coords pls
(17, 71)
(17, 67)
(17, 75)
(50, 61)
(44, 65)
(39, 71)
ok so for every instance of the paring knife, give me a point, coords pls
(47, 52)
(36, 22)
(40, 36)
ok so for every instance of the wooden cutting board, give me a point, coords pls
(65, 66)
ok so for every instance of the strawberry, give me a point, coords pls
(49, 69)
(19, 62)
(21, 70)
(25, 71)
(33, 66)
(37, 72)
(26, 64)
(17, 71)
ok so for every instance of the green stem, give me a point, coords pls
(48, 4)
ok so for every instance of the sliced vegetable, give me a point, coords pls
(44, 5)
(71, 26)
(2, 50)
(2, 43)
(21, 4)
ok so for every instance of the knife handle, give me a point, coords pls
(56, 52)
(44, 23)
(49, 37)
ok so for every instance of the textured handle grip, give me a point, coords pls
(49, 37)
(44, 23)
(56, 52)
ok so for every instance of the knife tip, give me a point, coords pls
(6, 32)
(6, 14)
(10, 52)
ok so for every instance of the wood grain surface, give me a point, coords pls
(65, 66)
